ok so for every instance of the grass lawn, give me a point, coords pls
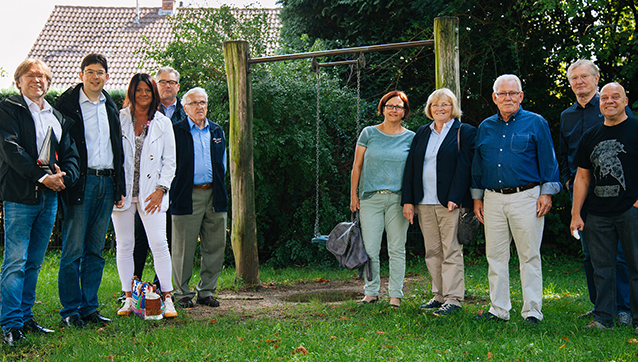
(338, 332)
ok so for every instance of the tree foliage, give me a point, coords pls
(199, 33)
(534, 39)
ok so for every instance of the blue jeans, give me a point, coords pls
(602, 233)
(83, 234)
(622, 274)
(27, 231)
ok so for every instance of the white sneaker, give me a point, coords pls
(169, 307)
(127, 308)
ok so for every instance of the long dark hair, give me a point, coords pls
(130, 94)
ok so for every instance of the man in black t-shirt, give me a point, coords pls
(607, 160)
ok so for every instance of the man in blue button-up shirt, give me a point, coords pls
(514, 175)
(583, 76)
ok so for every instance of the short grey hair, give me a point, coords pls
(507, 78)
(593, 68)
(199, 90)
(167, 69)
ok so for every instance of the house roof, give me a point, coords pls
(72, 32)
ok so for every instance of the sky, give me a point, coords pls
(22, 20)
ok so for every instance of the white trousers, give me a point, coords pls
(507, 216)
(155, 226)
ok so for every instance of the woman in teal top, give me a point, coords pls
(377, 173)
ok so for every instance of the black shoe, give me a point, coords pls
(488, 317)
(97, 318)
(121, 298)
(73, 321)
(532, 321)
(209, 301)
(432, 304)
(186, 303)
(33, 326)
(14, 336)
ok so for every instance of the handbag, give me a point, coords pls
(146, 301)
(346, 244)
(469, 224)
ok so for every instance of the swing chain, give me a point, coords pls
(317, 234)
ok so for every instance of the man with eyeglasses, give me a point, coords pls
(514, 175)
(89, 203)
(607, 180)
(168, 85)
(198, 201)
(585, 113)
(37, 160)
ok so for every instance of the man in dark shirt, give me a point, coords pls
(583, 76)
(607, 177)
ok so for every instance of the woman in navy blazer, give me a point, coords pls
(436, 183)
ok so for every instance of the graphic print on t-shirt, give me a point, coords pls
(605, 160)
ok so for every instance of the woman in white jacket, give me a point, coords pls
(149, 168)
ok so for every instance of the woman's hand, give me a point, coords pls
(120, 204)
(154, 201)
(408, 212)
(354, 203)
(450, 206)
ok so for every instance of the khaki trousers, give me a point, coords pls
(508, 216)
(210, 226)
(443, 253)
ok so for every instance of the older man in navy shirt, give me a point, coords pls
(583, 76)
(514, 175)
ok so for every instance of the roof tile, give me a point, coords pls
(71, 32)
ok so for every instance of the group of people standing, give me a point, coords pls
(157, 166)
(507, 172)
(108, 164)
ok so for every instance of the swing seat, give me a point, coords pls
(320, 239)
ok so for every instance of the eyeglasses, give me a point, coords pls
(442, 105)
(165, 82)
(90, 73)
(579, 77)
(391, 107)
(505, 94)
(200, 104)
(41, 76)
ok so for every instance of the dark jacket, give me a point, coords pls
(453, 171)
(68, 104)
(19, 172)
(179, 113)
(181, 194)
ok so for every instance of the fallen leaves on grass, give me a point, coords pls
(561, 347)
(387, 346)
(381, 332)
(213, 321)
(111, 357)
(633, 341)
(301, 350)
(565, 338)
(489, 355)
(344, 318)
(321, 281)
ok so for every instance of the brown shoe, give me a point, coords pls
(209, 301)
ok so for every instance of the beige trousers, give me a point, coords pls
(508, 216)
(443, 253)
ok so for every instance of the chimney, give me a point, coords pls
(168, 7)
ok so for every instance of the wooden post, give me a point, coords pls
(446, 50)
(242, 177)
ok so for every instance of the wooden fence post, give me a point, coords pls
(242, 177)
(446, 50)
